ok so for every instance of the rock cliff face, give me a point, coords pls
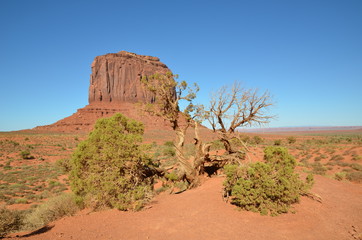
(115, 86)
(116, 77)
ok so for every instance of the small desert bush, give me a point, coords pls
(318, 168)
(172, 176)
(51, 210)
(268, 187)
(356, 157)
(277, 142)
(169, 151)
(26, 155)
(340, 176)
(356, 166)
(291, 140)
(109, 169)
(258, 139)
(169, 144)
(354, 177)
(336, 158)
(10, 221)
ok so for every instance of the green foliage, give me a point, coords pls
(10, 221)
(340, 176)
(277, 142)
(109, 169)
(26, 155)
(172, 176)
(356, 157)
(26, 180)
(258, 139)
(55, 208)
(291, 140)
(64, 164)
(21, 201)
(356, 166)
(169, 151)
(268, 187)
(318, 168)
(169, 144)
(354, 177)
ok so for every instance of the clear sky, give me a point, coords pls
(307, 53)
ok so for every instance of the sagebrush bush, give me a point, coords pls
(354, 177)
(291, 140)
(340, 176)
(26, 155)
(268, 187)
(109, 169)
(277, 142)
(257, 139)
(51, 210)
(10, 221)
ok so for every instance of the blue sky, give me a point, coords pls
(307, 53)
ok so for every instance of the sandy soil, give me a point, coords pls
(202, 214)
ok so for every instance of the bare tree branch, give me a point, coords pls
(233, 107)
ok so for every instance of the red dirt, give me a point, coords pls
(201, 214)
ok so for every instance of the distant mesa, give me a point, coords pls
(116, 77)
(115, 86)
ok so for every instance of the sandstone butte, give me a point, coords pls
(115, 86)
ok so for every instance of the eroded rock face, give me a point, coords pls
(115, 86)
(116, 77)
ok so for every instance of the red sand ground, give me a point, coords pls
(202, 214)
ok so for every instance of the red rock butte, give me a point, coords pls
(115, 86)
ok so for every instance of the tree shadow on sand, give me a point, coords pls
(38, 231)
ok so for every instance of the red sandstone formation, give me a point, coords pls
(116, 77)
(115, 86)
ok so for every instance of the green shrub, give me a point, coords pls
(257, 139)
(336, 158)
(340, 176)
(356, 166)
(172, 176)
(26, 155)
(10, 221)
(169, 151)
(64, 164)
(109, 169)
(318, 168)
(21, 201)
(291, 140)
(268, 187)
(277, 142)
(51, 210)
(169, 144)
(354, 177)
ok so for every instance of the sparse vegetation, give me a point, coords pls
(258, 139)
(55, 208)
(28, 183)
(10, 220)
(340, 176)
(354, 177)
(291, 140)
(26, 155)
